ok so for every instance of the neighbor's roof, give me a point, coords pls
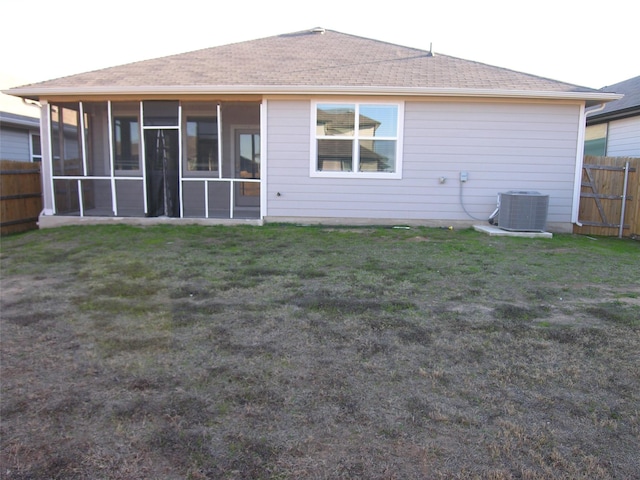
(629, 105)
(314, 61)
(13, 109)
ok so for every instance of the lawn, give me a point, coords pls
(297, 352)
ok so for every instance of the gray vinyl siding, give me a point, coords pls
(502, 146)
(14, 145)
(624, 138)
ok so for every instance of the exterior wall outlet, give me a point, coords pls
(464, 176)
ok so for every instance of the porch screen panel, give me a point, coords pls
(96, 138)
(66, 140)
(96, 198)
(219, 199)
(202, 144)
(126, 138)
(200, 140)
(247, 211)
(193, 199)
(66, 197)
(160, 113)
(130, 198)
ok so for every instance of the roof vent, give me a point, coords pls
(319, 30)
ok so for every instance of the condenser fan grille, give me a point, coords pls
(523, 211)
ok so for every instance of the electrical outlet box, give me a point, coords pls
(464, 176)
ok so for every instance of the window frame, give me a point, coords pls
(590, 142)
(355, 140)
(33, 156)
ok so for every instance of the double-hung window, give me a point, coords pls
(357, 140)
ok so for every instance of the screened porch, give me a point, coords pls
(155, 158)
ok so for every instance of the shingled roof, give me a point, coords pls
(627, 106)
(310, 61)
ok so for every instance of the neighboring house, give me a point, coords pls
(613, 130)
(19, 126)
(313, 126)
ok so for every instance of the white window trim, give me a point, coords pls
(396, 175)
(32, 156)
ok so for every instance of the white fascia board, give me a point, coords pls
(31, 92)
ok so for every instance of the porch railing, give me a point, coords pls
(83, 208)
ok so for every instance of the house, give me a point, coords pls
(19, 126)
(315, 126)
(613, 129)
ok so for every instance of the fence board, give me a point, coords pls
(601, 197)
(20, 196)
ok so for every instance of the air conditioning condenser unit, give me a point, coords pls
(523, 211)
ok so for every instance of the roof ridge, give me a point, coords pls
(380, 41)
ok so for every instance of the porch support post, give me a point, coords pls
(48, 195)
(219, 122)
(83, 140)
(180, 159)
(232, 185)
(263, 158)
(80, 198)
(143, 161)
(577, 180)
(206, 199)
(114, 200)
(624, 198)
(83, 152)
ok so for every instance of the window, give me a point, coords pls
(126, 143)
(357, 140)
(596, 140)
(202, 144)
(36, 149)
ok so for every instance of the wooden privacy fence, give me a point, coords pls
(20, 196)
(610, 197)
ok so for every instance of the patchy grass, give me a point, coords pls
(286, 352)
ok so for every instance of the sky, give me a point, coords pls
(585, 42)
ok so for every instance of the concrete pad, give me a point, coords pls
(498, 232)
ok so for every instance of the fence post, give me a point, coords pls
(624, 198)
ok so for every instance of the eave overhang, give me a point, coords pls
(617, 115)
(19, 120)
(36, 93)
